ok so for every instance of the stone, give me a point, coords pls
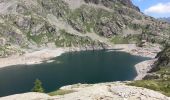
(2, 41)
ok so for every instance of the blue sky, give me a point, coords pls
(154, 8)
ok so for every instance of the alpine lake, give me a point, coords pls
(86, 67)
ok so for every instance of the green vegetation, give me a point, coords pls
(2, 51)
(69, 40)
(7, 50)
(61, 92)
(42, 32)
(159, 78)
(119, 40)
(162, 86)
(161, 83)
(41, 38)
(125, 40)
(86, 18)
(38, 86)
(37, 38)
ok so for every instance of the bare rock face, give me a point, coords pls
(24, 22)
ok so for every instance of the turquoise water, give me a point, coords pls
(70, 68)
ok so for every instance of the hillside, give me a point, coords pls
(35, 24)
(165, 19)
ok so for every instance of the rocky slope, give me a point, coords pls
(68, 23)
(106, 91)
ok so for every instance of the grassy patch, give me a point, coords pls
(157, 85)
(162, 84)
(125, 40)
(69, 40)
(60, 92)
(36, 38)
(119, 40)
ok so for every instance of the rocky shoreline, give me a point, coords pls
(39, 56)
(143, 68)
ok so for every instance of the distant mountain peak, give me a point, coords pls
(167, 19)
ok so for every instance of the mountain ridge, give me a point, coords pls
(36, 23)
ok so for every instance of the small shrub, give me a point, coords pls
(38, 86)
(61, 92)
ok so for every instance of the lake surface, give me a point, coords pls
(70, 68)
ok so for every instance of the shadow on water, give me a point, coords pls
(70, 68)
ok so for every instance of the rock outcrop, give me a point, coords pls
(104, 91)
(164, 58)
